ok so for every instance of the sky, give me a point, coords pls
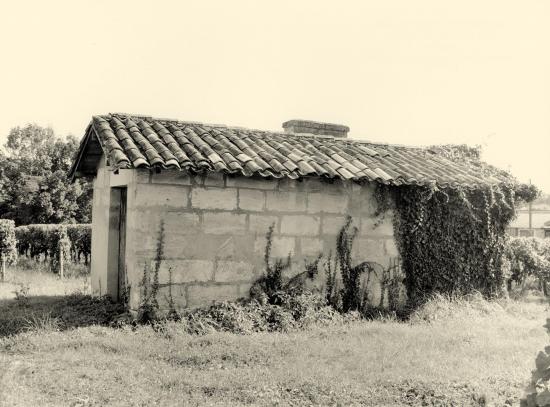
(396, 71)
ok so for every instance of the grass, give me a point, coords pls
(41, 282)
(37, 300)
(452, 352)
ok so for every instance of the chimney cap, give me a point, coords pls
(312, 127)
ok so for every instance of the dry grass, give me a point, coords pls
(40, 281)
(469, 353)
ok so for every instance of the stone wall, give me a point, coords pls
(215, 229)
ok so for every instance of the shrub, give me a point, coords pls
(527, 256)
(249, 316)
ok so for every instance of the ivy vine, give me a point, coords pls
(451, 240)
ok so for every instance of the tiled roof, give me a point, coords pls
(131, 141)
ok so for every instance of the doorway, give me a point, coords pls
(117, 244)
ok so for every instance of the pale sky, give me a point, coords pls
(405, 72)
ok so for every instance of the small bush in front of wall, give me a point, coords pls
(249, 316)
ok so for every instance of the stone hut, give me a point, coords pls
(215, 190)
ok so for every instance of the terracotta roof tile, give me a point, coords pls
(140, 141)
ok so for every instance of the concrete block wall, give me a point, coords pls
(215, 227)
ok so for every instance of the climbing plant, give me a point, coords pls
(271, 285)
(451, 240)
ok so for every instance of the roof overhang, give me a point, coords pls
(89, 154)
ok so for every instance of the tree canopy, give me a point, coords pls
(33, 178)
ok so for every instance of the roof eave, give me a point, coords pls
(76, 170)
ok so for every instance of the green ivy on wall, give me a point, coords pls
(451, 240)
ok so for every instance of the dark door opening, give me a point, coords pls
(116, 262)
(122, 278)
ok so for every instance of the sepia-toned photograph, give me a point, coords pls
(275, 203)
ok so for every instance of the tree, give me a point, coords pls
(33, 181)
(29, 146)
(56, 200)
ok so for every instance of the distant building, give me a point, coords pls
(534, 222)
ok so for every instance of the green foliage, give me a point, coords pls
(148, 310)
(458, 152)
(528, 256)
(312, 267)
(452, 240)
(350, 274)
(351, 293)
(332, 292)
(299, 284)
(8, 242)
(527, 192)
(173, 314)
(57, 200)
(391, 279)
(80, 236)
(270, 285)
(30, 145)
(33, 179)
(42, 241)
(248, 316)
(471, 156)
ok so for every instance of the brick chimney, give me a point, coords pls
(309, 127)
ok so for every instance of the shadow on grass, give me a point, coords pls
(58, 312)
